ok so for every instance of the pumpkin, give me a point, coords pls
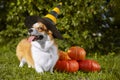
(77, 53)
(89, 66)
(67, 65)
(63, 56)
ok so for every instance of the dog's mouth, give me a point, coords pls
(35, 38)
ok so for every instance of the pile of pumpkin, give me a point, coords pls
(75, 59)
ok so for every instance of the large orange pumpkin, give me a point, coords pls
(77, 53)
(89, 66)
(63, 56)
(67, 66)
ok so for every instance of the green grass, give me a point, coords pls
(9, 69)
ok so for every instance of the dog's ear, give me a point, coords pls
(50, 32)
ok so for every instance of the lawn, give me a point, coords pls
(9, 70)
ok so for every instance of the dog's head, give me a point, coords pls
(39, 32)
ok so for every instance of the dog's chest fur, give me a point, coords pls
(42, 44)
(44, 54)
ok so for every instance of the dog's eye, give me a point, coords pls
(40, 28)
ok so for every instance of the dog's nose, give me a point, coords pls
(30, 30)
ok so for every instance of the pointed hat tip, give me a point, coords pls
(60, 3)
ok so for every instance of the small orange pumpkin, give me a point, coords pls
(67, 65)
(77, 53)
(63, 56)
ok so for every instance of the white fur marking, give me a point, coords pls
(44, 58)
(22, 62)
(36, 25)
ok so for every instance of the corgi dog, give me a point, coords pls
(39, 51)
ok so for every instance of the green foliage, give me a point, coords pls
(76, 23)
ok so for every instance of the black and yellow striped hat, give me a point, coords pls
(49, 20)
(54, 14)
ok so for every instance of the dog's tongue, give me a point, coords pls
(31, 38)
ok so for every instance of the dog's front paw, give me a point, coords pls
(38, 69)
(51, 70)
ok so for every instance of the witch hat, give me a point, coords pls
(48, 20)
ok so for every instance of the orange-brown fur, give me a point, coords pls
(24, 50)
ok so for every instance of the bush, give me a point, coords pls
(80, 22)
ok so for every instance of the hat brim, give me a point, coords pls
(30, 20)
